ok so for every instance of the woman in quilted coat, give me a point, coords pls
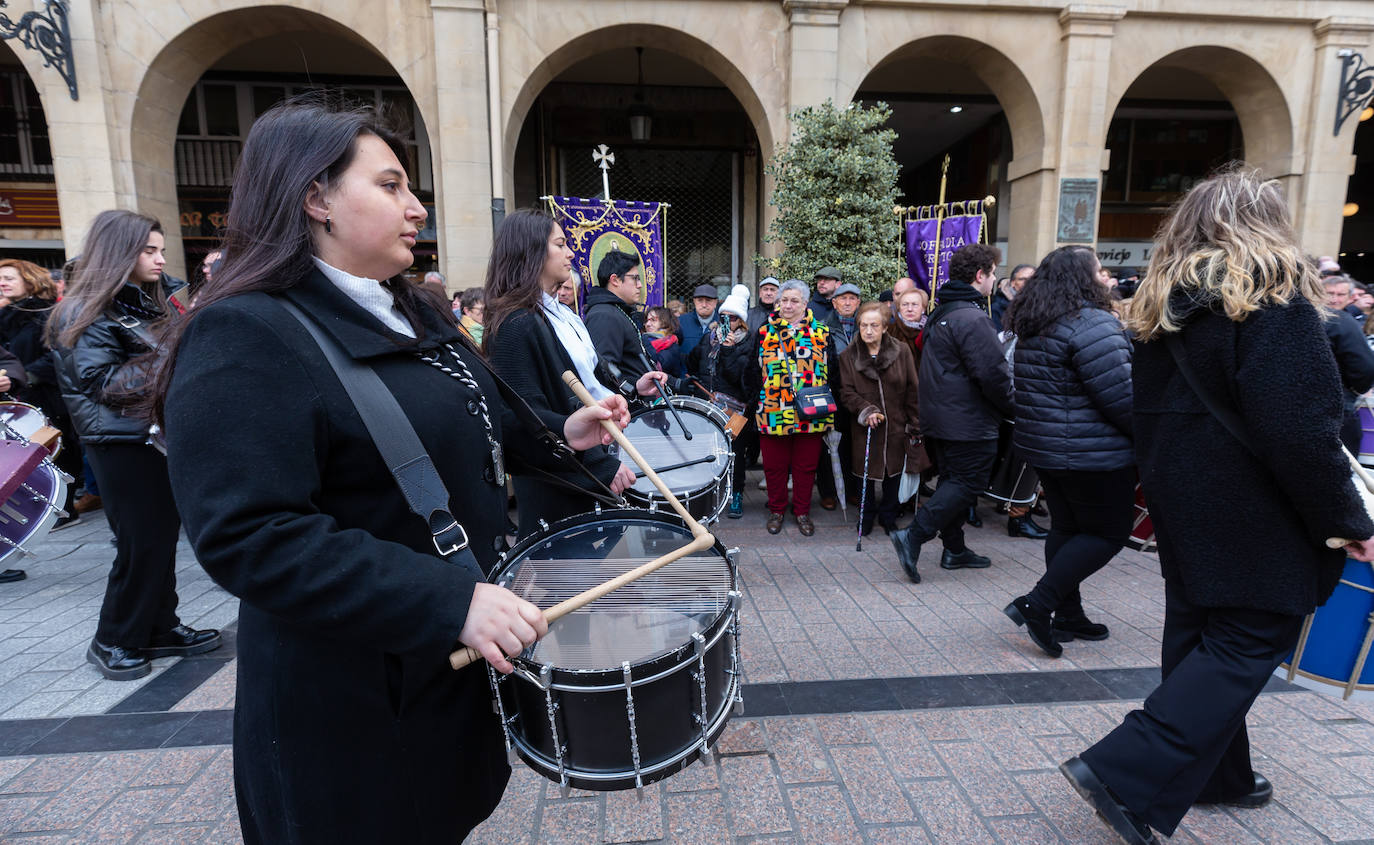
(792, 355)
(1073, 424)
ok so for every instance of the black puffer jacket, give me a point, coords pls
(965, 380)
(610, 322)
(724, 368)
(103, 374)
(1236, 530)
(1073, 394)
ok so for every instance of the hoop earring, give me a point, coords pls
(327, 228)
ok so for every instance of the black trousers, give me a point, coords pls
(1090, 519)
(885, 507)
(141, 593)
(745, 448)
(1188, 743)
(965, 466)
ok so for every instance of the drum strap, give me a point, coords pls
(400, 446)
(1229, 419)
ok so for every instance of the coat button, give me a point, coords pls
(473, 407)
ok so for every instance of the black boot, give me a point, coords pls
(1024, 526)
(973, 517)
(182, 641)
(1037, 623)
(1069, 626)
(967, 559)
(118, 663)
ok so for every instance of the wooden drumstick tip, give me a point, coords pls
(463, 657)
(1337, 542)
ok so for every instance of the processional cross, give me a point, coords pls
(604, 158)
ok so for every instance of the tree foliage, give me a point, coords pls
(835, 187)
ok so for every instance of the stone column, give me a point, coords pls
(1087, 38)
(461, 149)
(813, 62)
(1330, 160)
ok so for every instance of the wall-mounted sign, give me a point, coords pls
(1077, 211)
(29, 208)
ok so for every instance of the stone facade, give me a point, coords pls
(475, 68)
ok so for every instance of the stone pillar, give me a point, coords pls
(813, 62)
(461, 142)
(1330, 160)
(1083, 117)
(81, 131)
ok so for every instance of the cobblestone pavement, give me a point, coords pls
(876, 711)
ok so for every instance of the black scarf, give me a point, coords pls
(952, 293)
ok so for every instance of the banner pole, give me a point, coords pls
(939, 221)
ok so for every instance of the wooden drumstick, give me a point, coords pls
(701, 538)
(1366, 491)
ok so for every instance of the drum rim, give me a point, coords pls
(690, 403)
(582, 680)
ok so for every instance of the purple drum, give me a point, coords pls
(31, 495)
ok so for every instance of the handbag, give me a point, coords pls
(811, 403)
(1230, 420)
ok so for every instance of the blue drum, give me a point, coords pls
(1333, 649)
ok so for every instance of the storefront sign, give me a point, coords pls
(32, 208)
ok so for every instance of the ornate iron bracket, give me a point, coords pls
(49, 34)
(1357, 86)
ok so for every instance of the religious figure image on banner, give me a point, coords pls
(594, 227)
(1077, 211)
(955, 232)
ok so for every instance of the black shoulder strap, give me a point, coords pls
(395, 439)
(1229, 419)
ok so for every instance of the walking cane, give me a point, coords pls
(863, 494)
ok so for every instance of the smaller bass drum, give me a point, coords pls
(1332, 655)
(25, 423)
(32, 490)
(636, 685)
(696, 470)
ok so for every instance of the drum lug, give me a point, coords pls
(596, 508)
(546, 682)
(634, 732)
(494, 679)
(543, 526)
(653, 506)
(736, 670)
(732, 555)
(699, 649)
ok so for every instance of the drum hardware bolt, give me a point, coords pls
(13, 545)
(634, 733)
(543, 526)
(653, 506)
(596, 508)
(495, 680)
(699, 647)
(546, 681)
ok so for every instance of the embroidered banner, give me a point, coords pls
(594, 227)
(955, 232)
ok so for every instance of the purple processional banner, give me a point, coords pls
(920, 246)
(594, 227)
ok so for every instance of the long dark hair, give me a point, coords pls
(108, 257)
(268, 245)
(514, 273)
(1065, 281)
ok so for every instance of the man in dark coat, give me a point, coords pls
(827, 280)
(1007, 291)
(965, 395)
(758, 314)
(693, 324)
(609, 317)
(1355, 362)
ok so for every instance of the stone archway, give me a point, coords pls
(175, 68)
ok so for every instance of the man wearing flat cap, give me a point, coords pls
(827, 280)
(693, 324)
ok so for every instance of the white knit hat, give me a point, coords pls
(737, 302)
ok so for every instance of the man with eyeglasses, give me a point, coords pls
(611, 309)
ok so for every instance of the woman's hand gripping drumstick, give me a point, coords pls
(1358, 549)
(701, 539)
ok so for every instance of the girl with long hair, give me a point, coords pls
(532, 339)
(1073, 426)
(347, 611)
(1227, 318)
(103, 336)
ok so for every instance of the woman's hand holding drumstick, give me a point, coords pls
(1358, 549)
(701, 539)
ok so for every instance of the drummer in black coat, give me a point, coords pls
(1242, 527)
(350, 725)
(532, 339)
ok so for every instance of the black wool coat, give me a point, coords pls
(350, 725)
(526, 352)
(1234, 529)
(1073, 394)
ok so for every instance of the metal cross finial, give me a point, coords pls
(48, 34)
(604, 158)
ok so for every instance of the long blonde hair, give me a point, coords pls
(1229, 239)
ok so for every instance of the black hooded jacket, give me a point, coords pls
(965, 380)
(610, 322)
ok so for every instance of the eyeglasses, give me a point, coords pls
(631, 277)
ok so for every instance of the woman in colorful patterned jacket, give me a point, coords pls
(792, 354)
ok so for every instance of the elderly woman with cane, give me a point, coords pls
(878, 386)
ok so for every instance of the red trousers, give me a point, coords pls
(792, 455)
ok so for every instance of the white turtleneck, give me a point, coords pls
(370, 295)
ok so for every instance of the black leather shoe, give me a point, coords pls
(1024, 526)
(889, 527)
(1077, 627)
(967, 559)
(973, 518)
(182, 641)
(12, 575)
(908, 552)
(1037, 623)
(118, 663)
(1257, 797)
(1122, 821)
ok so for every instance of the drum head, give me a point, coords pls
(31, 510)
(20, 421)
(638, 622)
(658, 437)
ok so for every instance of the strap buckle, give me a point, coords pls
(450, 539)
